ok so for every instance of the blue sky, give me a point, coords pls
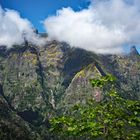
(37, 10)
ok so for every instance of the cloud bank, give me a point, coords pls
(14, 29)
(104, 27)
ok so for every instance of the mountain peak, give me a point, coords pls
(133, 51)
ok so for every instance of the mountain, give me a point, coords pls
(133, 51)
(39, 82)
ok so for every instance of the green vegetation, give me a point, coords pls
(112, 118)
(39, 83)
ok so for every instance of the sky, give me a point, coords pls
(37, 10)
(101, 26)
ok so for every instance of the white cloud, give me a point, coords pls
(105, 27)
(13, 29)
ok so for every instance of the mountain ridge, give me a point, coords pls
(41, 82)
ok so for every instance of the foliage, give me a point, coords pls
(103, 81)
(112, 118)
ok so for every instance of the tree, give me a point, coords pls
(112, 118)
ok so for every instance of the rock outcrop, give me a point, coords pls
(37, 82)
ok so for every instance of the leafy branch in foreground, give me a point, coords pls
(112, 118)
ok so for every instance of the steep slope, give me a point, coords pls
(127, 70)
(21, 84)
(34, 78)
(12, 127)
(38, 82)
(133, 51)
(80, 89)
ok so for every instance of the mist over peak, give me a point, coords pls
(15, 30)
(104, 27)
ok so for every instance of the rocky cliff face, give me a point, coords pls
(39, 82)
(127, 71)
(12, 126)
(80, 89)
